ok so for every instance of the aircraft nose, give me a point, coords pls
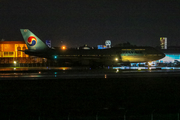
(162, 55)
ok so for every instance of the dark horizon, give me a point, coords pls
(92, 22)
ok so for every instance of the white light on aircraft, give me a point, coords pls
(150, 63)
(116, 59)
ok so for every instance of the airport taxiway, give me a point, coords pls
(80, 73)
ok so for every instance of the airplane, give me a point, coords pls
(111, 56)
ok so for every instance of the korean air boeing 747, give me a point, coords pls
(111, 56)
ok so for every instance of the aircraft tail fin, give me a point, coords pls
(32, 41)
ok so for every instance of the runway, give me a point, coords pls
(89, 94)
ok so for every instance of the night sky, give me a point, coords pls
(79, 22)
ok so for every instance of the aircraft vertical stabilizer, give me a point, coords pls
(32, 41)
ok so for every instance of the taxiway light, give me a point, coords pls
(55, 57)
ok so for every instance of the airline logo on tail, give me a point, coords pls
(31, 41)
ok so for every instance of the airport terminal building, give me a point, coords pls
(11, 51)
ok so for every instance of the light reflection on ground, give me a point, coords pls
(83, 72)
(34, 68)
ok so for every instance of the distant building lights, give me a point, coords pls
(105, 76)
(63, 47)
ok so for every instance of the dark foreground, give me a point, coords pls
(138, 98)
